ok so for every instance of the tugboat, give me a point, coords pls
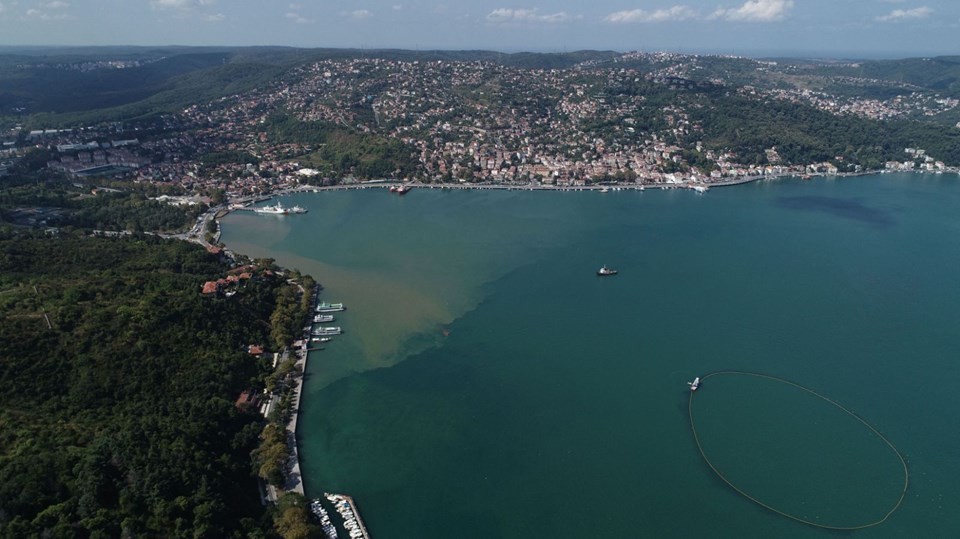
(605, 271)
(694, 384)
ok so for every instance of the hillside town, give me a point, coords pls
(627, 122)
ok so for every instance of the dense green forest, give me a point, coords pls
(803, 134)
(342, 151)
(118, 380)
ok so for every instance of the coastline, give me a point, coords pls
(703, 186)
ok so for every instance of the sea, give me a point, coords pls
(490, 385)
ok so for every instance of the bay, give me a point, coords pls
(490, 385)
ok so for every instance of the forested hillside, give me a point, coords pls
(118, 418)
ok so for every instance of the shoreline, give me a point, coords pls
(698, 186)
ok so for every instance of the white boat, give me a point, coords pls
(322, 319)
(326, 331)
(604, 271)
(279, 209)
(694, 384)
(330, 307)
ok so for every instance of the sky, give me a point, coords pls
(837, 28)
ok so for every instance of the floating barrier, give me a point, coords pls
(906, 474)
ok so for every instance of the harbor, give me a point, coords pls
(392, 432)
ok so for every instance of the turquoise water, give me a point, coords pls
(490, 385)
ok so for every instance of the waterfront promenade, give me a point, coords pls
(294, 476)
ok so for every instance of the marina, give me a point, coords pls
(316, 507)
(347, 509)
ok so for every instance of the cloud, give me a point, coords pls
(675, 13)
(214, 17)
(359, 14)
(47, 11)
(898, 15)
(756, 11)
(298, 18)
(508, 15)
(397, 7)
(182, 5)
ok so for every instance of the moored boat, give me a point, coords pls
(326, 331)
(322, 319)
(330, 307)
(279, 209)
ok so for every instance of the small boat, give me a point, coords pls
(694, 384)
(605, 271)
(320, 339)
(322, 318)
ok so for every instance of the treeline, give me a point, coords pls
(118, 419)
(124, 206)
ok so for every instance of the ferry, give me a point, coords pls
(322, 319)
(605, 271)
(330, 307)
(279, 210)
(400, 189)
(326, 331)
(694, 384)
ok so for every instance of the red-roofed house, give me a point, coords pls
(247, 400)
(210, 287)
(255, 349)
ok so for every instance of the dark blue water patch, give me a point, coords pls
(847, 208)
